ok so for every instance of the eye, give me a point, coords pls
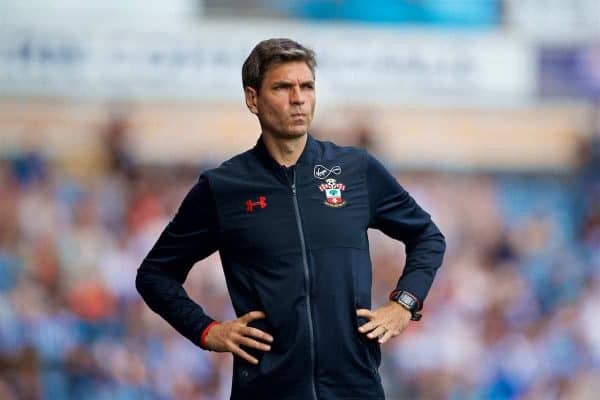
(281, 87)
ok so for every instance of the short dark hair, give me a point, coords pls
(271, 52)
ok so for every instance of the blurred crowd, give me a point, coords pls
(511, 315)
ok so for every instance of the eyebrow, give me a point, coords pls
(289, 83)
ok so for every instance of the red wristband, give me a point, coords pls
(205, 332)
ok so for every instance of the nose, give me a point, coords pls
(296, 96)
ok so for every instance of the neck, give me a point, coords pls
(285, 151)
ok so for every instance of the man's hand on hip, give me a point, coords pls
(385, 322)
(229, 335)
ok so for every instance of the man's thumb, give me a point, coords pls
(251, 316)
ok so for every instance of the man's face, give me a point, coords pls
(286, 102)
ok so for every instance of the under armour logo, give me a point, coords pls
(322, 172)
(261, 203)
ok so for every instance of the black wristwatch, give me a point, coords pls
(408, 301)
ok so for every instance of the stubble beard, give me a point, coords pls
(287, 134)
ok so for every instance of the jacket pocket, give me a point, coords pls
(371, 349)
(374, 354)
(245, 373)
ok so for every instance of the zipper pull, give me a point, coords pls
(294, 180)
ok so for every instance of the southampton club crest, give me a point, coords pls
(333, 192)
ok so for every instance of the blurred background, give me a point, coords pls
(488, 112)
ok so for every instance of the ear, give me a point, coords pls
(251, 99)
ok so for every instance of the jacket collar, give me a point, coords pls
(306, 157)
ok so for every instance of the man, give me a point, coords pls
(289, 218)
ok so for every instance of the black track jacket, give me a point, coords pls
(293, 243)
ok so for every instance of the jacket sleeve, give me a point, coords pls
(395, 213)
(191, 236)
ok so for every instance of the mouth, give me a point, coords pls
(298, 118)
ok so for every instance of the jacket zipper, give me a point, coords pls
(307, 281)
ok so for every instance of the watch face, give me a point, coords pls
(407, 299)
